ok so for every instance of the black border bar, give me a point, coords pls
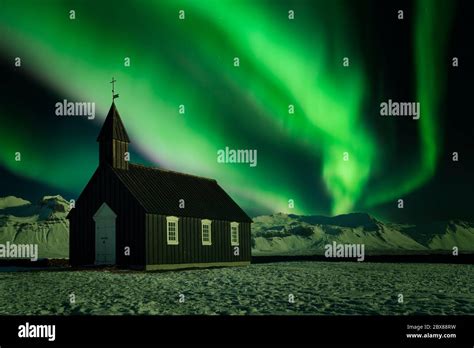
(288, 330)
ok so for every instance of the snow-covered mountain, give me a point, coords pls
(12, 201)
(288, 234)
(43, 223)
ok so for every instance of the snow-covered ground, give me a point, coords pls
(325, 288)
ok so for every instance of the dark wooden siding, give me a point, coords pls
(104, 186)
(119, 149)
(113, 152)
(190, 248)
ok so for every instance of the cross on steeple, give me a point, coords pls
(113, 89)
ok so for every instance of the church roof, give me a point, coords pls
(113, 127)
(160, 191)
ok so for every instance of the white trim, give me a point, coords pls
(234, 241)
(206, 222)
(104, 212)
(173, 220)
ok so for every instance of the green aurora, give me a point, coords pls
(190, 62)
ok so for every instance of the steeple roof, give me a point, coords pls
(113, 127)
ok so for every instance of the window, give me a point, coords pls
(234, 233)
(206, 232)
(172, 230)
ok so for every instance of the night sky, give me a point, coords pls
(283, 61)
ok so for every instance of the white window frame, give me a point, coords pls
(236, 226)
(175, 220)
(206, 222)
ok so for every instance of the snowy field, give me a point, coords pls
(318, 288)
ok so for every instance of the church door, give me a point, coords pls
(105, 235)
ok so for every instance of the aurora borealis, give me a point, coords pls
(283, 62)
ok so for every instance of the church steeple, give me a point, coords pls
(113, 141)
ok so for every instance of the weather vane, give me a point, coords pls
(113, 89)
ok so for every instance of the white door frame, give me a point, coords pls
(105, 235)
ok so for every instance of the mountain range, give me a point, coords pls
(44, 223)
(289, 234)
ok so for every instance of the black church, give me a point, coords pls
(141, 217)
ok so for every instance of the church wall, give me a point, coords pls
(190, 249)
(104, 186)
